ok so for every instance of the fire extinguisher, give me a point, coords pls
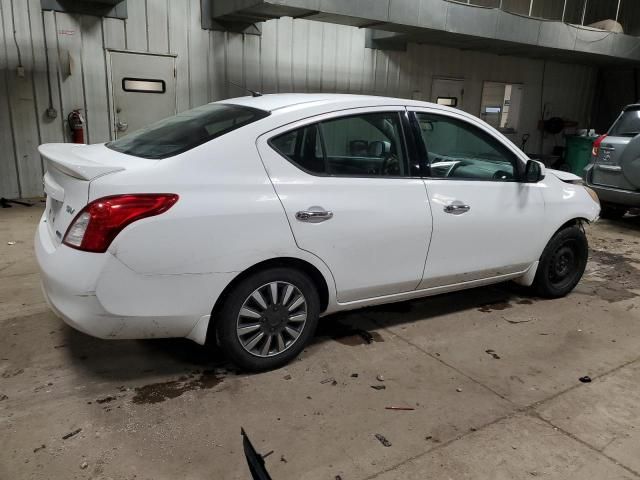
(76, 124)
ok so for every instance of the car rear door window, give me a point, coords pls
(459, 150)
(366, 145)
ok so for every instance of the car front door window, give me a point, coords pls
(458, 150)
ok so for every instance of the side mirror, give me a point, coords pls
(533, 172)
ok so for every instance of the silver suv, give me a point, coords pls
(614, 171)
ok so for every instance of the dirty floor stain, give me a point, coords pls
(610, 276)
(492, 307)
(159, 392)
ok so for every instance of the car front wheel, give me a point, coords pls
(268, 319)
(562, 263)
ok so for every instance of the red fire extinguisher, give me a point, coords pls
(76, 124)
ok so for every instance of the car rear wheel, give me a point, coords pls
(612, 212)
(562, 263)
(268, 319)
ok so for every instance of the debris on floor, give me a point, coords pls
(354, 375)
(329, 380)
(458, 390)
(400, 408)
(378, 387)
(11, 243)
(71, 434)
(493, 353)
(383, 440)
(41, 447)
(84, 465)
(380, 378)
(585, 379)
(514, 319)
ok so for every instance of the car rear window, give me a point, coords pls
(186, 130)
(628, 124)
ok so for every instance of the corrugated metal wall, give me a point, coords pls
(291, 55)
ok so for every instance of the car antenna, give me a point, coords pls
(254, 93)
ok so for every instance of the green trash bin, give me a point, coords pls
(578, 152)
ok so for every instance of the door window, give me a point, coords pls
(458, 150)
(367, 145)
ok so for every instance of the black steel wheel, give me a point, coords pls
(562, 263)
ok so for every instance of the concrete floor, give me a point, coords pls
(170, 409)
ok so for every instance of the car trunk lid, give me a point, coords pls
(70, 169)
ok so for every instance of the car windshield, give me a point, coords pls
(186, 130)
(628, 125)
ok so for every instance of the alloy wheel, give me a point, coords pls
(271, 319)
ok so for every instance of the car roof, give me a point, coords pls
(297, 101)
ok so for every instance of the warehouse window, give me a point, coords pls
(143, 85)
(500, 105)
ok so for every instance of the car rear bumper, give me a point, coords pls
(98, 295)
(610, 194)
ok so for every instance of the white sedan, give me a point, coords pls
(242, 222)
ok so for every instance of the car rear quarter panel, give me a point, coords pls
(227, 219)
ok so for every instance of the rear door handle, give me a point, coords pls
(456, 209)
(314, 215)
(609, 168)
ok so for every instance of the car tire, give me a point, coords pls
(562, 263)
(284, 326)
(612, 212)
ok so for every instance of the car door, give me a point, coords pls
(485, 220)
(352, 198)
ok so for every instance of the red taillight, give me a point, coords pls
(596, 145)
(95, 227)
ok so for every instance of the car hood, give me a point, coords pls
(564, 176)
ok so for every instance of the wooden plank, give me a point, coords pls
(22, 99)
(136, 25)
(69, 39)
(198, 57)
(9, 185)
(329, 47)
(252, 62)
(300, 47)
(284, 34)
(97, 112)
(343, 58)
(380, 73)
(218, 66)
(114, 36)
(178, 44)
(235, 64)
(46, 85)
(268, 45)
(157, 11)
(356, 60)
(368, 70)
(314, 56)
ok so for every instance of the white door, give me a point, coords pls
(143, 88)
(347, 188)
(448, 91)
(485, 221)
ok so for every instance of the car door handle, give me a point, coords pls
(456, 209)
(314, 215)
(609, 168)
